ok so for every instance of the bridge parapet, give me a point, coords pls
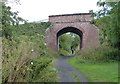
(71, 18)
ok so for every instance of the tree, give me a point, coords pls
(65, 42)
(76, 42)
(69, 41)
(108, 23)
(8, 20)
(11, 1)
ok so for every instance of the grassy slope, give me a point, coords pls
(103, 72)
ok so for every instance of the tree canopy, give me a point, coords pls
(69, 42)
(108, 23)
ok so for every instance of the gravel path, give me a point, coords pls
(65, 71)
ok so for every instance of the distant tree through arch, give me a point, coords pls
(73, 30)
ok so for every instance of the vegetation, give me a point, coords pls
(24, 60)
(100, 54)
(75, 77)
(108, 23)
(96, 72)
(67, 43)
(101, 64)
(25, 57)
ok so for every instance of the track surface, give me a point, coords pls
(65, 71)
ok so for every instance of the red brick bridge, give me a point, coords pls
(79, 24)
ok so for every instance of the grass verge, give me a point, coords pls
(75, 77)
(97, 72)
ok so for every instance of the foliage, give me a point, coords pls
(41, 71)
(9, 18)
(65, 42)
(68, 42)
(75, 42)
(17, 58)
(100, 54)
(107, 20)
(108, 23)
(34, 29)
(25, 57)
(63, 52)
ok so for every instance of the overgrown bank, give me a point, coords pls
(25, 56)
(27, 60)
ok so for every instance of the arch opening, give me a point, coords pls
(72, 30)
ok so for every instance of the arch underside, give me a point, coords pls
(73, 30)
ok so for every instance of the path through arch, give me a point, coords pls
(73, 30)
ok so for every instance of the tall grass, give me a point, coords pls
(25, 59)
(100, 54)
(98, 64)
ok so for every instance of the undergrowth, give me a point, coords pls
(26, 58)
(99, 54)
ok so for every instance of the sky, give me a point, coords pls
(38, 10)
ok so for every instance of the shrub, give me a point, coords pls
(40, 70)
(100, 54)
(15, 58)
(18, 55)
(63, 52)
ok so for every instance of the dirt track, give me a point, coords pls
(65, 71)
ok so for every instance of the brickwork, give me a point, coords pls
(79, 21)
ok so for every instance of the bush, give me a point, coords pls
(23, 43)
(100, 54)
(15, 58)
(18, 55)
(40, 71)
(63, 52)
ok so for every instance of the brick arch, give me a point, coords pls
(70, 29)
(70, 26)
(80, 21)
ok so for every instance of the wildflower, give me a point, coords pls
(31, 63)
(32, 50)
(44, 43)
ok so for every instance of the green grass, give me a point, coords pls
(75, 77)
(99, 72)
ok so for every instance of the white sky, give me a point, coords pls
(36, 10)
